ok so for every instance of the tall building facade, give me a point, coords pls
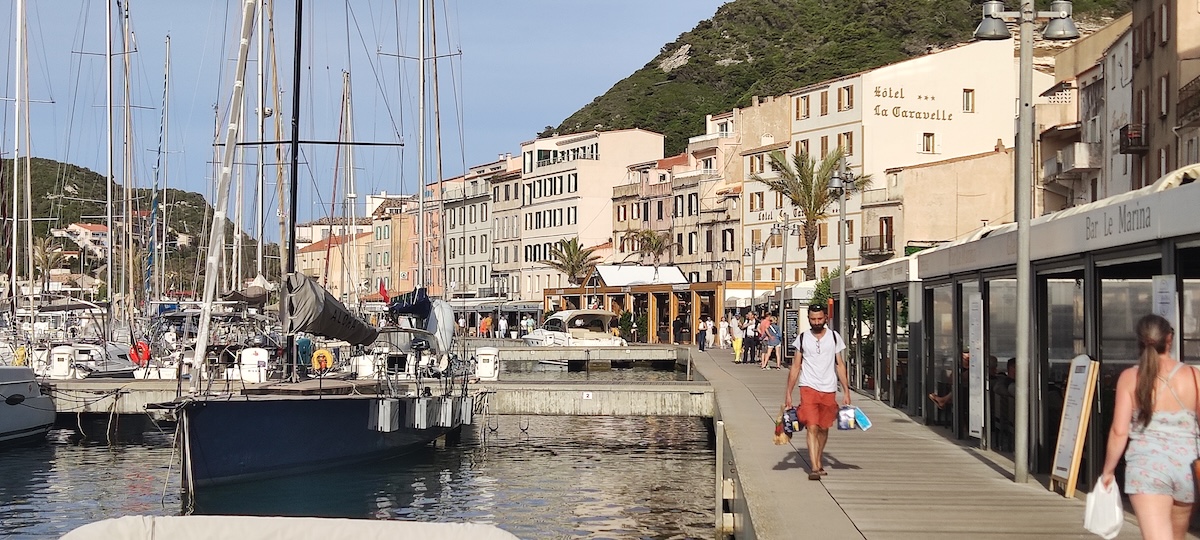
(469, 231)
(1165, 130)
(566, 192)
(506, 230)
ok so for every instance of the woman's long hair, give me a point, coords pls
(1152, 333)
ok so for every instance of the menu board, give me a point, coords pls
(1077, 408)
(975, 368)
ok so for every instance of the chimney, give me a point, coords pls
(999, 145)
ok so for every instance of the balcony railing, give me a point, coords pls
(877, 245)
(1134, 139)
(1189, 104)
(882, 196)
(567, 156)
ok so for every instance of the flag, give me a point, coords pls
(383, 291)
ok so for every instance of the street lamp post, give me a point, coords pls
(838, 182)
(752, 252)
(784, 230)
(992, 27)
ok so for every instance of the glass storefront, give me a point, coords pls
(944, 349)
(1188, 261)
(1001, 344)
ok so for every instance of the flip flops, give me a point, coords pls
(817, 474)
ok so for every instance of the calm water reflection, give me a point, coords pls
(537, 477)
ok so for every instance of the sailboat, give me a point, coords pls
(295, 426)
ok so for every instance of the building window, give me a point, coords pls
(679, 243)
(778, 200)
(757, 163)
(708, 241)
(801, 107)
(659, 209)
(824, 103)
(1164, 94)
(693, 204)
(678, 211)
(802, 147)
(621, 213)
(846, 143)
(756, 201)
(727, 240)
(824, 146)
(845, 98)
(1163, 26)
(755, 237)
(822, 234)
(691, 247)
(928, 145)
(849, 231)
(775, 274)
(968, 100)
(824, 272)
(775, 240)
(796, 275)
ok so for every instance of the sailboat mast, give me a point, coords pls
(351, 199)
(108, 180)
(260, 218)
(420, 281)
(127, 173)
(221, 205)
(166, 123)
(437, 151)
(293, 186)
(152, 287)
(18, 77)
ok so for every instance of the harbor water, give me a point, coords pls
(537, 477)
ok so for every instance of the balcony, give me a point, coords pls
(1072, 161)
(1134, 139)
(565, 157)
(627, 190)
(875, 197)
(877, 246)
(1188, 109)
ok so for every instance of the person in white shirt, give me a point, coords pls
(710, 335)
(818, 369)
(502, 326)
(723, 333)
(462, 325)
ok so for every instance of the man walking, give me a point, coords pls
(502, 325)
(750, 342)
(818, 369)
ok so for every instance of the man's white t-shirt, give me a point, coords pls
(819, 370)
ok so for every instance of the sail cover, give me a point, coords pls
(312, 309)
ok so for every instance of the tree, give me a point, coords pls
(651, 245)
(47, 256)
(805, 181)
(574, 260)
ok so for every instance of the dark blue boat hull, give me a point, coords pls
(246, 439)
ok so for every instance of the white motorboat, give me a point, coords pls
(26, 414)
(81, 360)
(576, 328)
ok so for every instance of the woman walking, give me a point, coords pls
(1154, 426)
(735, 328)
(771, 339)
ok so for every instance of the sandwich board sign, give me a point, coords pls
(1077, 409)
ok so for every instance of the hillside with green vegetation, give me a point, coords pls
(64, 194)
(769, 47)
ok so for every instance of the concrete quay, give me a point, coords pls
(899, 480)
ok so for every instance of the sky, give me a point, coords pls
(507, 69)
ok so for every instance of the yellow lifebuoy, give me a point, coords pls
(19, 355)
(322, 360)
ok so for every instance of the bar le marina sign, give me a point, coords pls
(1128, 218)
(887, 92)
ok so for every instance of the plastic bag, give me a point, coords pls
(1104, 515)
(845, 418)
(861, 419)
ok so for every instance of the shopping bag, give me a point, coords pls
(1104, 515)
(780, 436)
(845, 418)
(861, 419)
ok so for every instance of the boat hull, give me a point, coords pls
(254, 437)
(30, 414)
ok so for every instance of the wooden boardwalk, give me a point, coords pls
(899, 480)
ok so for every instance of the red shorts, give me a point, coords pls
(817, 408)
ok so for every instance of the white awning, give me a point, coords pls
(628, 275)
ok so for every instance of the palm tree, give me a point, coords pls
(47, 256)
(805, 181)
(651, 245)
(574, 260)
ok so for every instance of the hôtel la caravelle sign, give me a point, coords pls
(888, 92)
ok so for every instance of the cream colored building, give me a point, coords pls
(337, 264)
(928, 204)
(469, 230)
(566, 192)
(386, 249)
(506, 230)
(953, 103)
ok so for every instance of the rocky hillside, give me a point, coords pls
(768, 47)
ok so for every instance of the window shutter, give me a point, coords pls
(822, 234)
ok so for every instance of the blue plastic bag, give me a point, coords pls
(861, 419)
